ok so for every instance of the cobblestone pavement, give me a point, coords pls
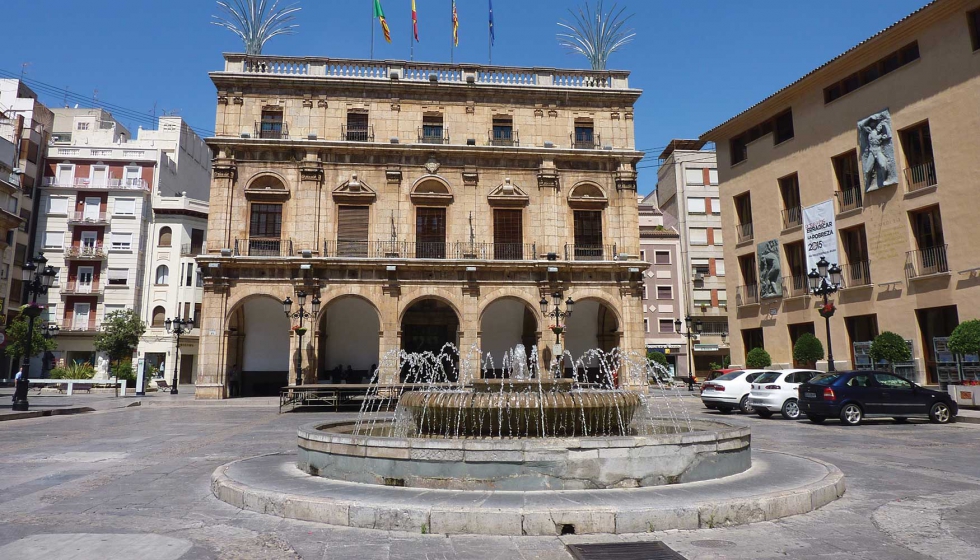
(133, 483)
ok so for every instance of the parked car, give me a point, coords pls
(715, 374)
(730, 390)
(855, 395)
(776, 391)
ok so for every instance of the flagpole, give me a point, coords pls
(372, 32)
(490, 35)
(452, 34)
(411, 37)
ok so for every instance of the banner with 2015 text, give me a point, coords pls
(820, 234)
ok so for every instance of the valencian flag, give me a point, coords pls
(380, 14)
(415, 22)
(455, 26)
(491, 22)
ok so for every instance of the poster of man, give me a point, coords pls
(877, 151)
(770, 279)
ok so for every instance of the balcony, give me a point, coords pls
(747, 295)
(70, 326)
(585, 141)
(190, 250)
(743, 232)
(89, 219)
(926, 262)
(271, 130)
(357, 133)
(792, 217)
(795, 286)
(75, 288)
(503, 137)
(433, 135)
(856, 274)
(85, 253)
(920, 176)
(263, 247)
(459, 250)
(97, 184)
(848, 199)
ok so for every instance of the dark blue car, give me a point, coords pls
(854, 395)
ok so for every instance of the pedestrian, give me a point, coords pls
(18, 378)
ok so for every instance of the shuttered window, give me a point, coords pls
(508, 234)
(352, 231)
(430, 233)
(266, 221)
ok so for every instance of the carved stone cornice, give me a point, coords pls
(311, 171)
(626, 180)
(225, 168)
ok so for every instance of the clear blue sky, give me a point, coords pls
(698, 63)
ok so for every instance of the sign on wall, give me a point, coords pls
(820, 234)
(877, 151)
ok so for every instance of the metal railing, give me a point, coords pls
(920, 176)
(69, 325)
(589, 252)
(90, 184)
(76, 287)
(856, 274)
(848, 199)
(792, 217)
(796, 285)
(435, 135)
(100, 218)
(744, 232)
(747, 295)
(272, 130)
(357, 133)
(584, 142)
(191, 250)
(263, 247)
(430, 250)
(923, 262)
(85, 252)
(503, 138)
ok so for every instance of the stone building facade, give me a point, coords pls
(885, 137)
(423, 204)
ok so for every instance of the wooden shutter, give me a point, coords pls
(508, 234)
(352, 231)
(430, 232)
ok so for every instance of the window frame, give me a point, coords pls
(667, 287)
(656, 258)
(261, 209)
(165, 270)
(670, 327)
(116, 211)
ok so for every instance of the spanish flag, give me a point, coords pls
(380, 14)
(455, 26)
(415, 22)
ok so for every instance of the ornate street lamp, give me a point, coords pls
(301, 314)
(177, 327)
(694, 328)
(558, 315)
(37, 277)
(824, 280)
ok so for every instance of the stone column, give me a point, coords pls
(469, 330)
(211, 382)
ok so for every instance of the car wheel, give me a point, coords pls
(725, 409)
(816, 419)
(851, 415)
(709, 406)
(763, 412)
(743, 405)
(901, 420)
(791, 409)
(940, 413)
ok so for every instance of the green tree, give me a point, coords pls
(725, 362)
(807, 349)
(17, 338)
(889, 347)
(657, 357)
(120, 334)
(966, 338)
(757, 358)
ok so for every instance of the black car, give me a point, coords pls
(854, 395)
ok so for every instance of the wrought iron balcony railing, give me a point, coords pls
(85, 252)
(848, 199)
(263, 247)
(920, 176)
(434, 135)
(357, 133)
(792, 217)
(744, 232)
(503, 138)
(856, 274)
(590, 252)
(747, 295)
(585, 141)
(924, 262)
(94, 218)
(272, 130)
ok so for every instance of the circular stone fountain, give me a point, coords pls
(520, 454)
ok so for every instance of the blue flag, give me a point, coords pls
(491, 22)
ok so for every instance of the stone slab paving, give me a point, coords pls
(913, 492)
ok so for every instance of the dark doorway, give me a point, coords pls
(797, 330)
(935, 322)
(861, 328)
(508, 234)
(428, 326)
(430, 233)
(752, 338)
(187, 376)
(588, 235)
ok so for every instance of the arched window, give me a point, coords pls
(163, 275)
(159, 316)
(165, 236)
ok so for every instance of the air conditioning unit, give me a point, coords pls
(698, 277)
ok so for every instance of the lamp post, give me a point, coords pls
(301, 314)
(698, 326)
(558, 315)
(37, 277)
(825, 280)
(177, 327)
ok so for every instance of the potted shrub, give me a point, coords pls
(807, 350)
(890, 348)
(758, 358)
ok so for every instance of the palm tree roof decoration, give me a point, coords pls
(256, 21)
(596, 34)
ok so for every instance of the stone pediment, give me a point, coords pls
(587, 196)
(508, 194)
(432, 190)
(354, 191)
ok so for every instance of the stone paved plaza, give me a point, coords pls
(134, 483)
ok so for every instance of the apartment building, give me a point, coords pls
(108, 202)
(26, 123)
(663, 293)
(422, 204)
(886, 134)
(687, 193)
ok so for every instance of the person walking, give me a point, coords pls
(18, 379)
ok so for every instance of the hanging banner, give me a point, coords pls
(820, 234)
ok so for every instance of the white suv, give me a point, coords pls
(730, 391)
(776, 391)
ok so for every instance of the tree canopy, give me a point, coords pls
(758, 358)
(890, 347)
(120, 334)
(17, 338)
(807, 349)
(965, 338)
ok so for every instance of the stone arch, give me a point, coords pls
(587, 195)
(257, 368)
(432, 190)
(441, 295)
(267, 179)
(427, 324)
(349, 337)
(505, 322)
(595, 323)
